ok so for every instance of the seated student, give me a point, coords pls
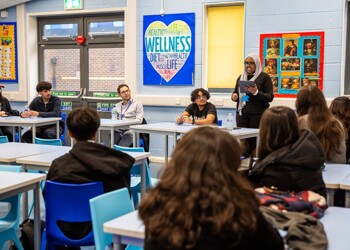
(44, 105)
(314, 114)
(288, 159)
(127, 109)
(202, 202)
(6, 110)
(89, 161)
(340, 109)
(200, 111)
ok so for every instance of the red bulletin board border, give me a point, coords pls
(296, 35)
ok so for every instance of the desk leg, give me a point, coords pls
(117, 245)
(330, 197)
(143, 178)
(14, 134)
(166, 148)
(25, 199)
(37, 227)
(112, 137)
(347, 198)
(34, 133)
(58, 129)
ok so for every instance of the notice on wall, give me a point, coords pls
(168, 49)
(293, 60)
(8, 53)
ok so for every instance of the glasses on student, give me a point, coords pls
(125, 91)
(249, 63)
(201, 97)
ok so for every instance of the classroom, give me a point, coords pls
(164, 58)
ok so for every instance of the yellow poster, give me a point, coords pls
(8, 59)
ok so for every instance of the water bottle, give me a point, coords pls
(229, 122)
(114, 113)
(26, 109)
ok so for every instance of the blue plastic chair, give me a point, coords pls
(106, 207)
(3, 139)
(9, 223)
(63, 136)
(135, 185)
(68, 203)
(54, 142)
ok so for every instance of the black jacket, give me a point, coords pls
(295, 167)
(5, 106)
(88, 162)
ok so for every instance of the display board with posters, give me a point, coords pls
(8, 53)
(293, 60)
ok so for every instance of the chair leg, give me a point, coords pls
(10, 234)
(43, 240)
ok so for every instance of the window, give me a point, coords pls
(225, 47)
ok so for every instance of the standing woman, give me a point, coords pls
(202, 202)
(6, 110)
(340, 108)
(314, 114)
(251, 105)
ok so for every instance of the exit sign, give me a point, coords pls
(73, 4)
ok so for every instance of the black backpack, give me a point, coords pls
(27, 234)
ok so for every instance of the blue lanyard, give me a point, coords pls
(121, 109)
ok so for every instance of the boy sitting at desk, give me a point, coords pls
(88, 161)
(44, 105)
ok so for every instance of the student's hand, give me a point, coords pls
(25, 114)
(234, 97)
(252, 89)
(33, 113)
(187, 119)
(179, 120)
(2, 113)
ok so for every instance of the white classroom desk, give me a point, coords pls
(333, 176)
(43, 162)
(17, 121)
(173, 129)
(15, 183)
(9, 152)
(129, 229)
(345, 184)
(111, 125)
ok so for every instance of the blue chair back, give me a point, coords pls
(63, 136)
(10, 221)
(107, 207)
(54, 142)
(4, 139)
(68, 203)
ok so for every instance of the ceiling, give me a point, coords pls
(9, 3)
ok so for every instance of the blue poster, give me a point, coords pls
(168, 49)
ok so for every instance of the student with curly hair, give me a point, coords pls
(203, 202)
(200, 111)
(340, 109)
(314, 114)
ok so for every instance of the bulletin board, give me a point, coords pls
(293, 60)
(8, 53)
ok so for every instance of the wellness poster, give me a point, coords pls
(293, 60)
(168, 49)
(8, 53)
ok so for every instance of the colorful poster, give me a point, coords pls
(8, 53)
(168, 49)
(293, 60)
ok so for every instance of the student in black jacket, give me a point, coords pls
(6, 110)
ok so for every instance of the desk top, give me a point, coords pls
(337, 227)
(127, 225)
(10, 181)
(9, 152)
(17, 120)
(335, 174)
(118, 123)
(171, 127)
(45, 159)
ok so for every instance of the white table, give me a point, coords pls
(334, 175)
(17, 121)
(126, 229)
(9, 152)
(111, 125)
(172, 129)
(337, 227)
(15, 183)
(43, 162)
(129, 229)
